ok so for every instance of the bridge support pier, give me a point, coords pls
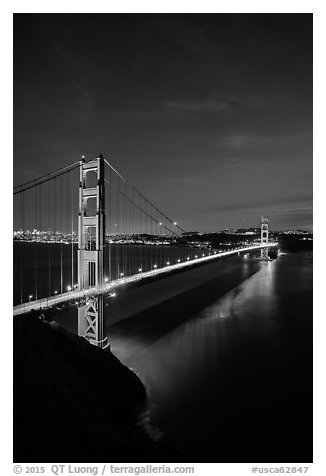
(91, 321)
(264, 239)
(91, 239)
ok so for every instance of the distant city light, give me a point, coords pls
(160, 224)
(106, 279)
(167, 263)
(179, 260)
(174, 223)
(68, 288)
(155, 266)
(140, 270)
(188, 258)
(121, 274)
(55, 292)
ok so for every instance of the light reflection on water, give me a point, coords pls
(202, 376)
(201, 337)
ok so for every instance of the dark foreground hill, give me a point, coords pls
(75, 402)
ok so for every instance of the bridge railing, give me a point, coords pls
(77, 295)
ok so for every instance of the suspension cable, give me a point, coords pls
(144, 198)
(45, 178)
(138, 207)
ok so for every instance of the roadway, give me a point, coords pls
(76, 295)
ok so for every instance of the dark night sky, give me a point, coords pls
(209, 115)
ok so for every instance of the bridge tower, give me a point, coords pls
(264, 238)
(91, 239)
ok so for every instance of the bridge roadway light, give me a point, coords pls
(188, 258)
(168, 263)
(139, 270)
(174, 223)
(179, 260)
(30, 297)
(196, 256)
(121, 274)
(106, 279)
(55, 292)
(155, 266)
(68, 288)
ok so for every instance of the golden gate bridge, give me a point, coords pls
(94, 241)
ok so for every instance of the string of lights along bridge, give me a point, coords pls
(83, 231)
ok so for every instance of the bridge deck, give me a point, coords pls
(48, 302)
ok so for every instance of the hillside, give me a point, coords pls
(75, 402)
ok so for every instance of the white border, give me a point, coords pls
(169, 6)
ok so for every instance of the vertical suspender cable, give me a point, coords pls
(141, 237)
(68, 225)
(159, 218)
(72, 243)
(139, 228)
(151, 223)
(110, 222)
(127, 244)
(54, 228)
(49, 232)
(132, 267)
(61, 231)
(40, 223)
(35, 242)
(118, 228)
(125, 230)
(21, 244)
(133, 229)
(145, 240)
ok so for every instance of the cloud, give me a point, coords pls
(210, 105)
(187, 181)
(298, 217)
(239, 162)
(241, 141)
(284, 201)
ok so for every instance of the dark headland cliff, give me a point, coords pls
(75, 402)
